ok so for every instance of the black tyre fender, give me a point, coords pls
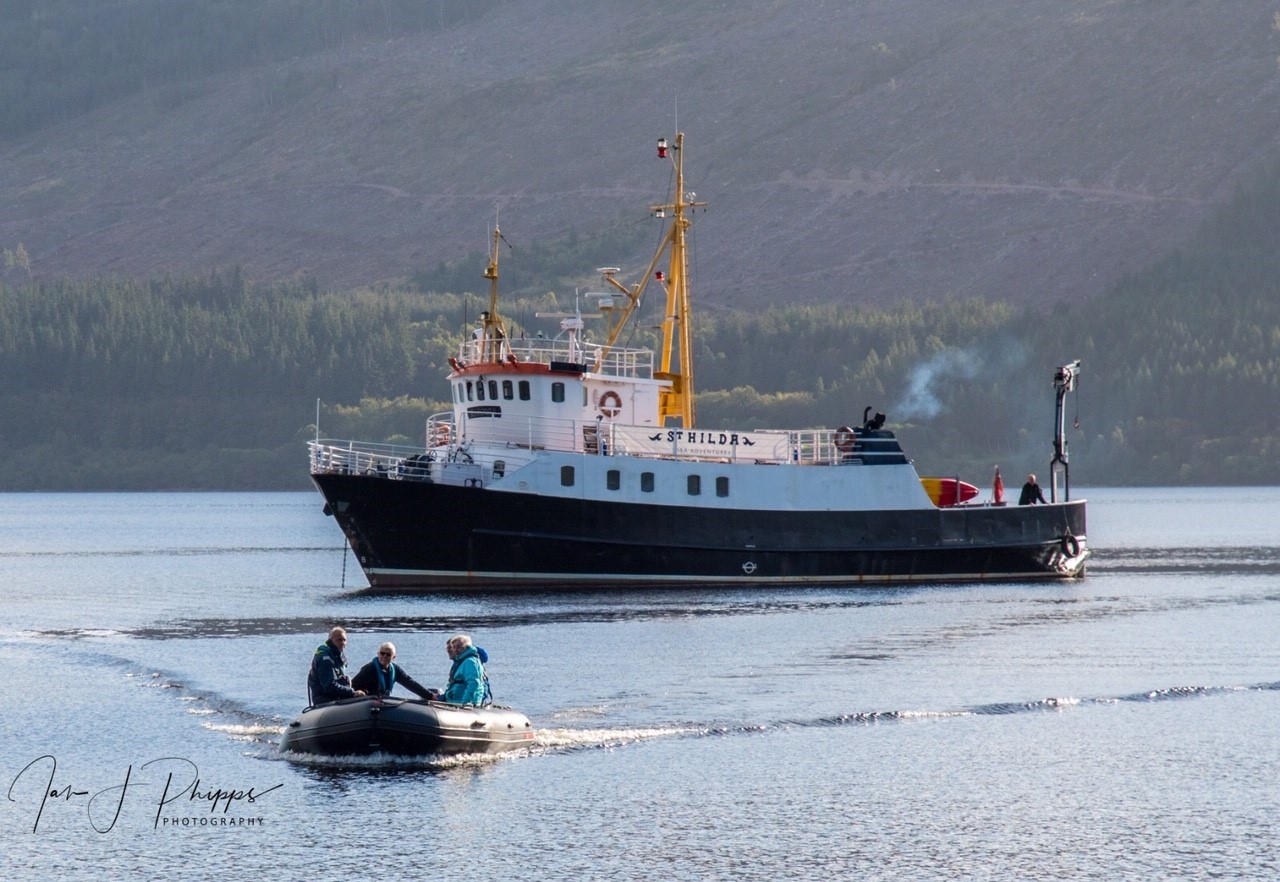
(1070, 545)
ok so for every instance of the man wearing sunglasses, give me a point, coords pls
(380, 675)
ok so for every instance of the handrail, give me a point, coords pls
(486, 439)
(618, 362)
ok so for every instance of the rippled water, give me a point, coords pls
(1119, 727)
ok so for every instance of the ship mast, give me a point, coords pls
(494, 334)
(677, 330)
(1064, 381)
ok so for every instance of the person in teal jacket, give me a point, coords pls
(466, 677)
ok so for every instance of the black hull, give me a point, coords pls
(361, 726)
(418, 535)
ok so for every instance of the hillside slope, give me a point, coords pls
(870, 151)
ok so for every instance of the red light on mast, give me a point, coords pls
(662, 148)
(658, 275)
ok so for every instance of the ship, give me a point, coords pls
(577, 462)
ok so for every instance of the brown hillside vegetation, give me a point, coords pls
(871, 151)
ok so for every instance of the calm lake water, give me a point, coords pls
(1119, 727)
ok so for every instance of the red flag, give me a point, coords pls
(997, 489)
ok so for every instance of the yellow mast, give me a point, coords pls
(494, 333)
(677, 401)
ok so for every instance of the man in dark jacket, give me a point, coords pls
(380, 675)
(328, 679)
(1031, 494)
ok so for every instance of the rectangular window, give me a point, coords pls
(507, 391)
(695, 485)
(566, 476)
(493, 390)
(480, 391)
(524, 390)
(722, 486)
(557, 393)
(646, 482)
(470, 392)
(613, 479)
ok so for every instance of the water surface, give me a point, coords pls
(1117, 727)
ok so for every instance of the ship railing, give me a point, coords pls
(334, 457)
(780, 447)
(440, 429)
(530, 433)
(618, 361)
(821, 447)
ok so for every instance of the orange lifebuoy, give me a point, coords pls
(610, 404)
(440, 435)
(846, 440)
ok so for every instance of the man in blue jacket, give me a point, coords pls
(328, 680)
(466, 676)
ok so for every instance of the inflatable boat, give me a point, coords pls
(406, 727)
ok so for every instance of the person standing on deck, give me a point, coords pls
(1031, 494)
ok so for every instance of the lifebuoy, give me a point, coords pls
(1070, 545)
(440, 435)
(846, 440)
(610, 404)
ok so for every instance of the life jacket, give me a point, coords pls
(386, 679)
(484, 661)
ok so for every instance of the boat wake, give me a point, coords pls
(265, 733)
(573, 739)
(1254, 560)
(261, 733)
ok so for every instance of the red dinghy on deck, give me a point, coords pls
(948, 491)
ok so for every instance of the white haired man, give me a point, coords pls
(382, 674)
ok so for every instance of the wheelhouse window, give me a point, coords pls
(470, 392)
(566, 476)
(722, 486)
(613, 479)
(508, 392)
(524, 390)
(646, 482)
(557, 393)
(695, 485)
(480, 391)
(493, 390)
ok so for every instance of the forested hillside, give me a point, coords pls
(863, 153)
(212, 381)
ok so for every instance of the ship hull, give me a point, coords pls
(420, 535)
